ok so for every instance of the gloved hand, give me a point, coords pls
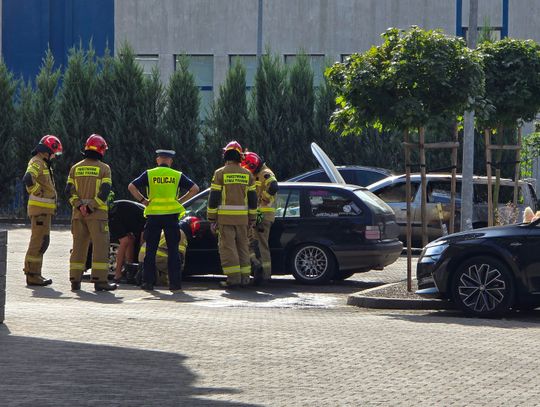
(260, 217)
(213, 227)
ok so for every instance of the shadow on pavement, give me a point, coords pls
(514, 320)
(87, 293)
(42, 372)
(47, 292)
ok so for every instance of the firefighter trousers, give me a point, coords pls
(234, 253)
(85, 231)
(39, 242)
(260, 248)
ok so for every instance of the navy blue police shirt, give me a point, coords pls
(141, 182)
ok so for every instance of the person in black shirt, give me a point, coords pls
(126, 224)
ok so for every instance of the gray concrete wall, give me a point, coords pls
(226, 27)
(524, 19)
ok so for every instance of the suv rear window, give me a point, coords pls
(373, 202)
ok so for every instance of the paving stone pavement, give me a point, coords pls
(287, 345)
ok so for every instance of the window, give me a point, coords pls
(288, 204)
(250, 63)
(317, 63)
(325, 203)
(198, 207)
(147, 63)
(397, 193)
(365, 178)
(202, 68)
(506, 193)
(440, 192)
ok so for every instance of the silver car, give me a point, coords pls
(392, 191)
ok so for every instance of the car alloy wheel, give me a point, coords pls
(113, 249)
(483, 287)
(312, 264)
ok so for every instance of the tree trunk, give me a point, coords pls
(518, 168)
(487, 136)
(498, 159)
(453, 182)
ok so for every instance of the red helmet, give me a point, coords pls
(194, 224)
(233, 145)
(252, 161)
(52, 143)
(96, 143)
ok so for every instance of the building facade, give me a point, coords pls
(214, 33)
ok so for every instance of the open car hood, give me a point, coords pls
(327, 164)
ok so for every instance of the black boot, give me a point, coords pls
(104, 286)
(37, 280)
(147, 286)
(75, 285)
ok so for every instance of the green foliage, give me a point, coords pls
(512, 76)
(76, 108)
(182, 122)
(530, 151)
(127, 114)
(229, 118)
(413, 76)
(269, 122)
(8, 171)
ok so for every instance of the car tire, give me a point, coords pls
(344, 275)
(483, 287)
(312, 264)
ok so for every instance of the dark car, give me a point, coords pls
(322, 232)
(486, 272)
(352, 174)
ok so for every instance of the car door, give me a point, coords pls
(395, 196)
(528, 257)
(285, 227)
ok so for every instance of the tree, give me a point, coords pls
(229, 118)
(270, 126)
(512, 72)
(301, 112)
(76, 107)
(182, 121)
(123, 117)
(413, 77)
(8, 171)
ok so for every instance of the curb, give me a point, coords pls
(365, 301)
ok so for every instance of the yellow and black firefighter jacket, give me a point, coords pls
(40, 186)
(89, 183)
(233, 197)
(266, 187)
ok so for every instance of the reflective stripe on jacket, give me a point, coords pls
(266, 201)
(163, 192)
(42, 199)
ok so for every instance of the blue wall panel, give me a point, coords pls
(30, 26)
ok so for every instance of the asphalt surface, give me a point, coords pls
(283, 345)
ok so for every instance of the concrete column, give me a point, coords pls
(166, 67)
(3, 270)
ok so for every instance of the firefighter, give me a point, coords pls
(39, 182)
(163, 209)
(189, 226)
(88, 187)
(232, 205)
(266, 187)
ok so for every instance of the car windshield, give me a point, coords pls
(376, 204)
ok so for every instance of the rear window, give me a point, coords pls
(324, 203)
(365, 178)
(376, 204)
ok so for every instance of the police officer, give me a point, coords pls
(39, 183)
(232, 204)
(88, 187)
(267, 187)
(162, 185)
